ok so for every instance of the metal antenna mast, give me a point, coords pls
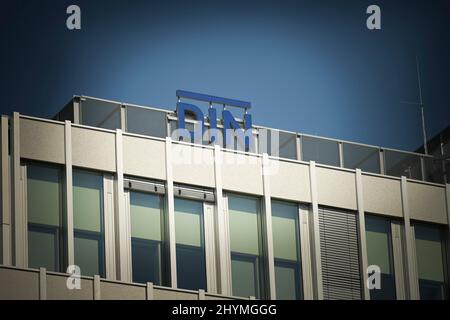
(424, 132)
(420, 104)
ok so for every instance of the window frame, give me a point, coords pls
(300, 288)
(60, 231)
(262, 266)
(141, 188)
(90, 235)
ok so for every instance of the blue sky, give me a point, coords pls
(306, 66)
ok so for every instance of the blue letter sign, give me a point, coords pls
(230, 124)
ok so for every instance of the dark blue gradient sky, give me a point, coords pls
(306, 66)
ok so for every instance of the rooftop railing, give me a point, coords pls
(291, 145)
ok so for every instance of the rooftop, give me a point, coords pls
(156, 122)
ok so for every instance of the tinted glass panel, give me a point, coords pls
(191, 268)
(146, 216)
(402, 164)
(278, 143)
(361, 157)
(286, 246)
(431, 261)
(379, 253)
(287, 278)
(288, 145)
(245, 241)
(88, 222)
(100, 114)
(44, 209)
(146, 121)
(245, 272)
(320, 150)
(43, 248)
(44, 195)
(146, 237)
(88, 249)
(146, 261)
(434, 170)
(189, 236)
(88, 201)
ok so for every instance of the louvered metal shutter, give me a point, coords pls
(340, 255)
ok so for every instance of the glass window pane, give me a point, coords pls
(88, 222)
(88, 251)
(287, 278)
(146, 121)
(102, 114)
(379, 253)
(145, 216)
(244, 229)
(378, 243)
(146, 237)
(431, 262)
(44, 195)
(189, 236)
(285, 231)
(361, 157)
(402, 164)
(320, 150)
(188, 221)
(44, 210)
(43, 248)
(286, 246)
(191, 268)
(146, 261)
(245, 275)
(88, 198)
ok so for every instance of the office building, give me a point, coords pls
(104, 187)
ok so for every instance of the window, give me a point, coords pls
(44, 205)
(88, 222)
(431, 261)
(190, 244)
(146, 237)
(379, 253)
(320, 150)
(245, 245)
(286, 249)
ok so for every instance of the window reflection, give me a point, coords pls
(190, 244)
(245, 244)
(379, 253)
(286, 247)
(44, 210)
(146, 237)
(88, 222)
(320, 150)
(431, 261)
